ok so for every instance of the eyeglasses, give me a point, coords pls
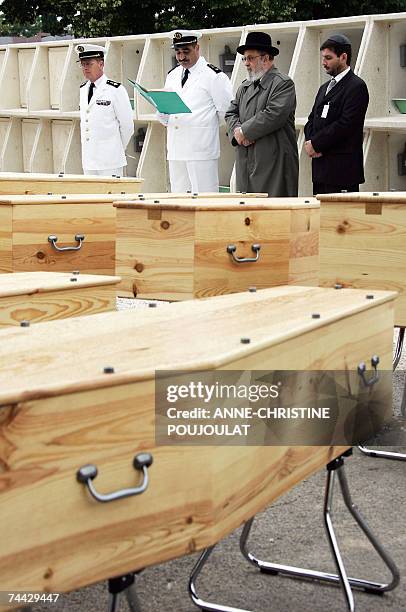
(250, 58)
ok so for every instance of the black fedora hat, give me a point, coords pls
(259, 41)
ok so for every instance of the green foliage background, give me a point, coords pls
(118, 17)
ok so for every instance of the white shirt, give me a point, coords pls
(106, 124)
(208, 93)
(342, 74)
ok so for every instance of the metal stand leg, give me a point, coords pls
(200, 603)
(383, 454)
(113, 602)
(124, 583)
(391, 454)
(340, 578)
(346, 582)
(399, 347)
(403, 403)
(132, 599)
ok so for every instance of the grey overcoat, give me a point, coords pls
(266, 114)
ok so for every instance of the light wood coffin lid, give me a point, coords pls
(67, 178)
(60, 357)
(29, 283)
(215, 204)
(389, 197)
(204, 194)
(74, 198)
(187, 203)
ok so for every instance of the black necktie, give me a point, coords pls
(256, 83)
(185, 76)
(90, 94)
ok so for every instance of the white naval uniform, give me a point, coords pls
(193, 141)
(106, 126)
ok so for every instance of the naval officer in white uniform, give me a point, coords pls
(106, 116)
(193, 142)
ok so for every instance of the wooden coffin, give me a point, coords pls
(363, 243)
(178, 249)
(62, 409)
(28, 222)
(43, 296)
(24, 183)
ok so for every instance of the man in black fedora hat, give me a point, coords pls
(334, 130)
(261, 123)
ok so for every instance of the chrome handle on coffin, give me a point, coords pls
(231, 249)
(87, 473)
(362, 369)
(78, 237)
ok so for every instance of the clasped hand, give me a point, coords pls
(240, 138)
(310, 150)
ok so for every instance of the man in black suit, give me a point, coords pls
(334, 130)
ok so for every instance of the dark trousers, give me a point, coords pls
(325, 188)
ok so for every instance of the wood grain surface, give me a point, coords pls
(28, 283)
(31, 183)
(392, 197)
(32, 224)
(141, 342)
(216, 273)
(217, 203)
(154, 256)
(43, 296)
(56, 305)
(6, 239)
(365, 248)
(177, 249)
(304, 247)
(204, 194)
(59, 412)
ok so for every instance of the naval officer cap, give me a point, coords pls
(87, 51)
(180, 38)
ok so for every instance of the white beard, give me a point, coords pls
(253, 76)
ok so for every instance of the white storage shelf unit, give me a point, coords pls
(39, 95)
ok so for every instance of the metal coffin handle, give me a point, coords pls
(231, 249)
(362, 369)
(87, 473)
(78, 237)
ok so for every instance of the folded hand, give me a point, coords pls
(310, 150)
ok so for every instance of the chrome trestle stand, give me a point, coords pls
(391, 454)
(200, 603)
(403, 403)
(119, 585)
(399, 346)
(341, 578)
(382, 454)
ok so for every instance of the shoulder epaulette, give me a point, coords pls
(217, 70)
(172, 69)
(83, 84)
(113, 83)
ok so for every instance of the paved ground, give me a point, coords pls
(290, 532)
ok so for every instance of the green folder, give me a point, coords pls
(167, 102)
